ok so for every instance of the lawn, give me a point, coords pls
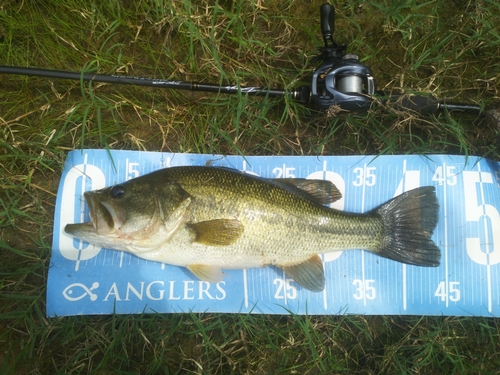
(445, 48)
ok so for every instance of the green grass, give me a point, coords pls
(448, 48)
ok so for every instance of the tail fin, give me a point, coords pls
(409, 220)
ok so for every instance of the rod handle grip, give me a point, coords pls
(428, 104)
(421, 104)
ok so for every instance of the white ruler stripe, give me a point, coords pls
(445, 222)
(487, 243)
(404, 276)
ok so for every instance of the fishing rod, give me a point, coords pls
(341, 82)
(299, 95)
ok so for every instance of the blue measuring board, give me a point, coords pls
(84, 279)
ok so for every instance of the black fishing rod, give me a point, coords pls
(151, 82)
(340, 83)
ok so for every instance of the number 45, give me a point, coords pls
(452, 292)
(445, 174)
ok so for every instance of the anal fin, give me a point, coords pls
(308, 274)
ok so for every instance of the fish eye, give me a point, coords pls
(117, 191)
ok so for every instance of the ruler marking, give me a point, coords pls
(245, 287)
(445, 222)
(487, 241)
(363, 251)
(405, 291)
(325, 299)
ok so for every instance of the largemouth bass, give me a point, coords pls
(211, 218)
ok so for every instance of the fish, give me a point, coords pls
(208, 218)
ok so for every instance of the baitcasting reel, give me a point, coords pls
(341, 80)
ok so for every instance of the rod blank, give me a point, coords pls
(141, 81)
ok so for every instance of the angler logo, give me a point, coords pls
(77, 291)
(153, 291)
(165, 290)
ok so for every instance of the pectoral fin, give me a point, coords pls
(320, 191)
(308, 274)
(211, 274)
(218, 232)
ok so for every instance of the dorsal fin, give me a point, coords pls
(319, 191)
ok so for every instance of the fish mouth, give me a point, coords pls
(102, 215)
(102, 218)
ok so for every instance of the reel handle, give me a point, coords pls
(327, 15)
